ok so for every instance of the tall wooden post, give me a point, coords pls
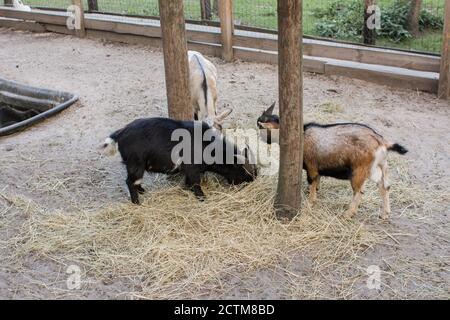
(226, 26)
(215, 7)
(92, 5)
(415, 8)
(205, 9)
(290, 82)
(369, 32)
(175, 59)
(80, 29)
(444, 77)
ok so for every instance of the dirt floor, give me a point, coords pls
(56, 166)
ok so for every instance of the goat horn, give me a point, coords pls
(223, 115)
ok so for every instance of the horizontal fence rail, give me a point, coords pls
(406, 24)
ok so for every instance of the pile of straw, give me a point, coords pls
(174, 246)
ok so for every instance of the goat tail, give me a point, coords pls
(397, 148)
(210, 107)
(110, 147)
(206, 91)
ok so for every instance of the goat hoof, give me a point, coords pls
(140, 189)
(198, 192)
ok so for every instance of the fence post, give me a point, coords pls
(8, 2)
(205, 8)
(226, 25)
(444, 77)
(369, 35)
(176, 63)
(415, 8)
(215, 7)
(290, 86)
(92, 5)
(81, 31)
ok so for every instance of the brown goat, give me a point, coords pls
(349, 151)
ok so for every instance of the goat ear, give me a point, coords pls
(223, 115)
(264, 125)
(269, 111)
(210, 122)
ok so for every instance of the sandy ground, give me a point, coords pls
(118, 83)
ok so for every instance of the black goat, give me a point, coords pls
(151, 145)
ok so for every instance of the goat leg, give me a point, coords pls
(134, 180)
(193, 180)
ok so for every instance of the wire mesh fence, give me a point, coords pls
(405, 24)
(51, 4)
(414, 25)
(194, 9)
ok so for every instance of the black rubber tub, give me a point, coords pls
(23, 98)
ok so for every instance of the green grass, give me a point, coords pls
(262, 14)
(430, 41)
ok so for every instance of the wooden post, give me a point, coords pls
(8, 2)
(175, 59)
(415, 8)
(226, 26)
(92, 5)
(80, 29)
(215, 7)
(369, 34)
(290, 83)
(444, 77)
(205, 9)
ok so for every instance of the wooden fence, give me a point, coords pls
(384, 66)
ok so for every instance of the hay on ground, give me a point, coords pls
(173, 245)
